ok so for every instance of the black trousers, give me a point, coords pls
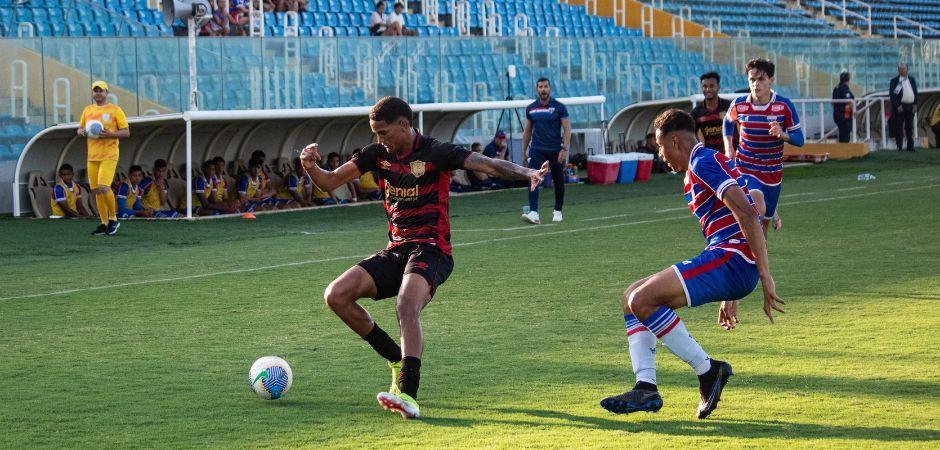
(845, 128)
(904, 126)
(936, 134)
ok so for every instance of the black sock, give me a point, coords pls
(410, 375)
(645, 386)
(383, 344)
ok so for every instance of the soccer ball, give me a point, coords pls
(270, 377)
(93, 128)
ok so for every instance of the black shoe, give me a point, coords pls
(113, 226)
(100, 231)
(710, 386)
(633, 401)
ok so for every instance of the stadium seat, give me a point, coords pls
(40, 194)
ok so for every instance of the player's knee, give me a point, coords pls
(335, 296)
(625, 298)
(408, 307)
(641, 302)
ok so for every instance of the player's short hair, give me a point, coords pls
(159, 164)
(649, 135)
(762, 65)
(378, 4)
(258, 154)
(295, 162)
(331, 155)
(398, 4)
(66, 166)
(207, 163)
(135, 168)
(844, 77)
(710, 75)
(674, 120)
(474, 146)
(218, 159)
(543, 79)
(389, 109)
(254, 162)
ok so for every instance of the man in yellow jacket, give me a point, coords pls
(103, 153)
(935, 125)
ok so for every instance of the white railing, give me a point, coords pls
(620, 13)
(521, 27)
(490, 20)
(715, 24)
(255, 18)
(920, 28)
(846, 12)
(460, 11)
(646, 20)
(19, 84)
(431, 10)
(61, 100)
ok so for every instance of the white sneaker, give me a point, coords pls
(532, 217)
(556, 216)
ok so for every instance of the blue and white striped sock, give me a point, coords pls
(666, 325)
(642, 349)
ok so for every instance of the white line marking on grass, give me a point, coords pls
(851, 188)
(464, 244)
(523, 227)
(799, 194)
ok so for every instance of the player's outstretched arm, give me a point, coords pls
(327, 180)
(747, 217)
(499, 168)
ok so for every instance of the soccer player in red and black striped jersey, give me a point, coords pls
(710, 114)
(414, 174)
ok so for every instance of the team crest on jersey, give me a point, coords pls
(776, 108)
(417, 168)
(106, 117)
(385, 164)
(742, 108)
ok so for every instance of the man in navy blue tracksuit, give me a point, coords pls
(546, 138)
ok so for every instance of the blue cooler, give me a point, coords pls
(628, 163)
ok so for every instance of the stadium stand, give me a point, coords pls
(907, 15)
(736, 17)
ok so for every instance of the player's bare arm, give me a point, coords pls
(326, 179)
(499, 168)
(123, 133)
(730, 151)
(747, 217)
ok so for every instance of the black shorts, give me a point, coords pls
(388, 267)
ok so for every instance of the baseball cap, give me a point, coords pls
(500, 134)
(100, 84)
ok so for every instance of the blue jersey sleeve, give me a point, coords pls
(562, 111)
(146, 185)
(713, 170)
(292, 183)
(59, 193)
(793, 126)
(122, 191)
(243, 184)
(138, 205)
(731, 116)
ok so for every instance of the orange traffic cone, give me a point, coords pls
(248, 215)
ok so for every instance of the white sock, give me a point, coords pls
(667, 326)
(642, 349)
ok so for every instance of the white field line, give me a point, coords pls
(464, 244)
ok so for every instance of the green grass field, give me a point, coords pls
(145, 339)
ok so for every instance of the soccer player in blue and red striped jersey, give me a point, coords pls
(767, 120)
(734, 259)
(414, 173)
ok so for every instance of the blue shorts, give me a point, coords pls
(771, 194)
(717, 274)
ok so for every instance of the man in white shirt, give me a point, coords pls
(397, 20)
(378, 22)
(903, 93)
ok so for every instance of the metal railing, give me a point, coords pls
(920, 28)
(846, 12)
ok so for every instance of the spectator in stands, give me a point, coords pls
(66, 196)
(378, 22)
(238, 14)
(333, 163)
(219, 24)
(935, 125)
(842, 113)
(497, 147)
(396, 21)
(251, 189)
(155, 190)
(129, 196)
(903, 93)
(710, 114)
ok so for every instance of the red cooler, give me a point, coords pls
(644, 167)
(603, 169)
